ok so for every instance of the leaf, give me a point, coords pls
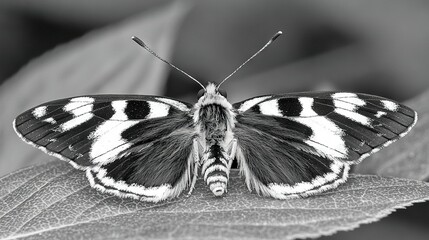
(80, 12)
(54, 200)
(407, 158)
(103, 61)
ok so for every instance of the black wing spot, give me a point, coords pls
(137, 109)
(290, 107)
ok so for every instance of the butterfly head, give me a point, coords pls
(212, 95)
(213, 105)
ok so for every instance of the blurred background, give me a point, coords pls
(55, 49)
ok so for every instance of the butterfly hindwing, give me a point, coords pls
(303, 143)
(134, 146)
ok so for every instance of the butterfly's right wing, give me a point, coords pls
(301, 144)
(130, 146)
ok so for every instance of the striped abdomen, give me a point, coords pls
(215, 170)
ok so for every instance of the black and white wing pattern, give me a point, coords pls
(301, 144)
(131, 146)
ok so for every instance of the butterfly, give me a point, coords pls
(152, 148)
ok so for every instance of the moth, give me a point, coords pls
(152, 148)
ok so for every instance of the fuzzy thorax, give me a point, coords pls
(212, 96)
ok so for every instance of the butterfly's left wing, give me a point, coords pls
(129, 145)
(304, 143)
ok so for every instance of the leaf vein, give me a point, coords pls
(32, 194)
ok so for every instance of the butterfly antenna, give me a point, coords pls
(254, 55)
(142, 44)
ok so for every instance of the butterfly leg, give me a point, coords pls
(195, 153)
(232, 153)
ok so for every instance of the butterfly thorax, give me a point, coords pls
(214, 121)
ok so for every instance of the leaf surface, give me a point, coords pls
(54, 200)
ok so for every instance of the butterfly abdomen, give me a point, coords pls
(215, 169)
(215, 127)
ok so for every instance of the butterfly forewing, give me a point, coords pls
(303, 143)
(120, 141)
